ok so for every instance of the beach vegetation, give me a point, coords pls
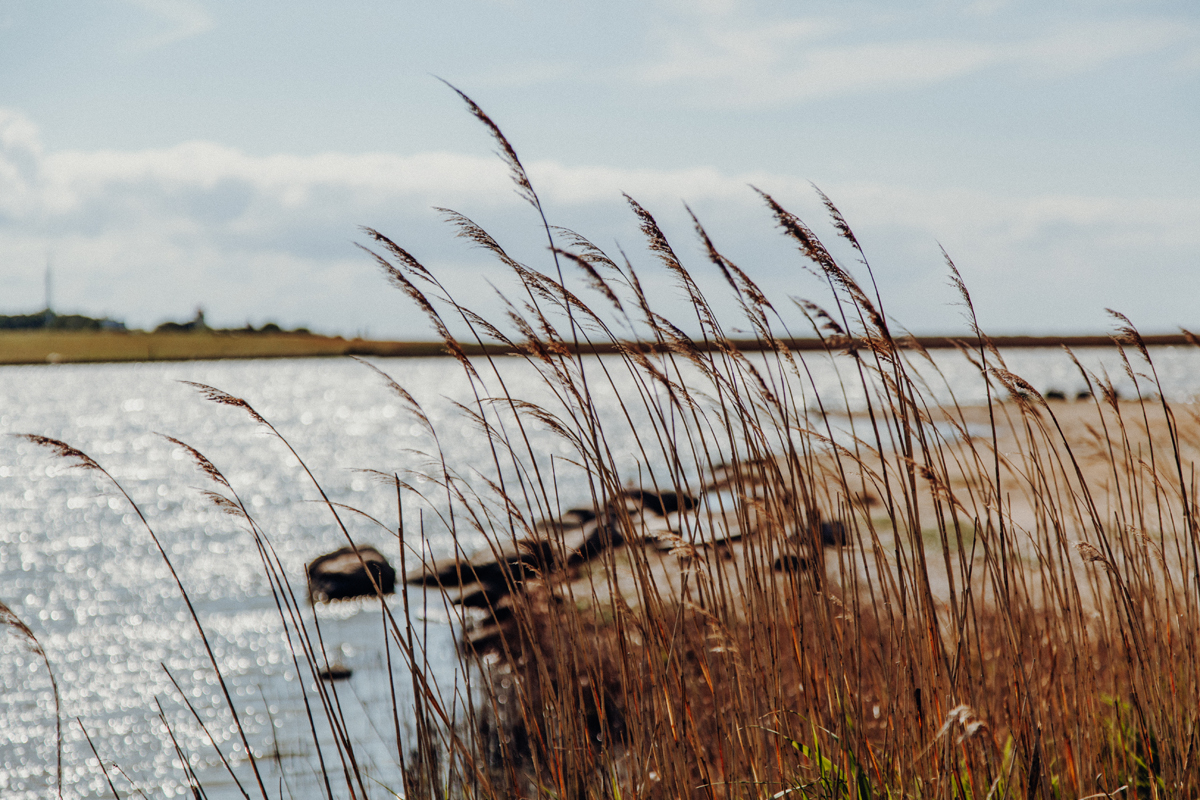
(1009, 606)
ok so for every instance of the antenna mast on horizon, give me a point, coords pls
(49, 283)
(49, 287)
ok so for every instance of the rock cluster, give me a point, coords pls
(557, 549)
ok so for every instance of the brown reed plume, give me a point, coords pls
(866, 590)
(10, 620)
(961, 645)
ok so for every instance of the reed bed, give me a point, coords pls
(1013, 611)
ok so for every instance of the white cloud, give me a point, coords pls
(18, 132)
(772, 62)
(1019, 221)
(152, 233)
(704, 8)
(66, 182)
(987, 8)
(170, 187)
(180, 19)
(1091, 46)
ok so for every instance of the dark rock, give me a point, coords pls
(506, 565)
(481, 597)
(833, 533)
(593, 540)
(572, 518)
(662, 503)
(499, 567)
(442, 572)
(1084, 395)
(866, 499)
(581, 516)
(1055, 394)
(561, 544)
(340, 575)
(790, 562)
(335, 672)
(581, 534)
(500, 614)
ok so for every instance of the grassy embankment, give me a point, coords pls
(43, 347)
(55, 347)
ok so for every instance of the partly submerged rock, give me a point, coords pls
(501, 567)
(791, 562)
(442, 572)
(335, 672)
(571, 519)
(579, 535)
(475, 596)
(833, 533)
(539, 560)
(341, 574)
(662, 503)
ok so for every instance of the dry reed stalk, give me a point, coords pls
(1015, 612)
(965, 605)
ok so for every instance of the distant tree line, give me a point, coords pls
(49, 321)
(198, 324)
(188, 327)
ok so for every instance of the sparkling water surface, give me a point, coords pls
(78, 567)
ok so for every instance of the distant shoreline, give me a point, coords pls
(52, 347)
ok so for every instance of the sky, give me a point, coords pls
(164, 155)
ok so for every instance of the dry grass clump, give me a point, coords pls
(1013, 613)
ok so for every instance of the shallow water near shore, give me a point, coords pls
(78, 568)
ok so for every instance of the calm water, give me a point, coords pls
(78, 568)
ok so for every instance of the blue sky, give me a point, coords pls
(165, 154)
